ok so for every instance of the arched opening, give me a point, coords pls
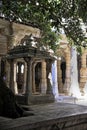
(3, 70)
(63, 69)
(20, 76)
(38, 77)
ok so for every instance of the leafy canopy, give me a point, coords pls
(50, 15)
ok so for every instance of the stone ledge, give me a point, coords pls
(56, 116)
(36, 99)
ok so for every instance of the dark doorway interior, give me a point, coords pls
(63, 68)
(38, 77)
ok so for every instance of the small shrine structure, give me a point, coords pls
(28, 72)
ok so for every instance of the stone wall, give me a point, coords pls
(12, 33)
(4, 32)
(21, 30)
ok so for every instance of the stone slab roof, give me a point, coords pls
(28, 51)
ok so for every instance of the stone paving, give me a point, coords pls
(73, 100)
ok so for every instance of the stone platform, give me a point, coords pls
(52, 116)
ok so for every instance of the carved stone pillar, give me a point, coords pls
(67, 81)
(49, 70)
(59, 77)
(43, 80)
(8, 74)
(28, 91)
(10, 37)
(83, 61)
(83, 73)
(54, 80)
(13, 83)
(25, 75)
(10, 41)
(33, 84)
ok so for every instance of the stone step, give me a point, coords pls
(68, 99)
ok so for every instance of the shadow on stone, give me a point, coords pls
(8, 105)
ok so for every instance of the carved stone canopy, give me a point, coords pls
(26, 50)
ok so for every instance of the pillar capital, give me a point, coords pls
(28, 60)
(49, 61)
(49, 65)
(10, 61)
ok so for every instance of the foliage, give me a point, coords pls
(48, 14)
(82, 9)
